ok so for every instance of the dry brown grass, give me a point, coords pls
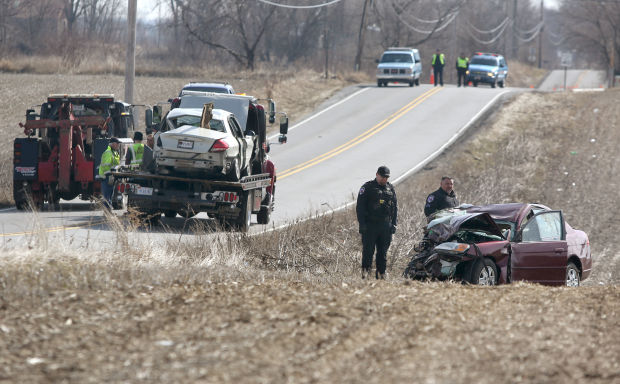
(523, 75)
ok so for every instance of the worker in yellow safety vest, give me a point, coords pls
(135, 152)
(437, 63)
(110, 158)
(462, 63)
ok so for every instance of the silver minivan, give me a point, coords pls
(399, 65)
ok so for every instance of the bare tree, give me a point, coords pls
(72, 11)
(593, 27)
(98, 16)
(8, 10)
(233, 26)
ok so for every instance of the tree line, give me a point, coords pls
(335, 35)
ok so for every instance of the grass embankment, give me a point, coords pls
(289, 305)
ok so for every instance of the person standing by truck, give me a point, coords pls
(377, 212)
(109, 159)
(462, 63)
(439, 60)
(135, 152)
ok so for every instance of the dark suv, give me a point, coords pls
(487, 68)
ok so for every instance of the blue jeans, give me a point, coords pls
(106, 191)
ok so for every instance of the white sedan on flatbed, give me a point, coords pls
(182, 146)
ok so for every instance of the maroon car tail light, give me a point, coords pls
(219, 146)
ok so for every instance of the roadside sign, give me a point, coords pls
(567, 59)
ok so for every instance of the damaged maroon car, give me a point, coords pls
(502, 243)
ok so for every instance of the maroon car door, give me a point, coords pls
(540, 252)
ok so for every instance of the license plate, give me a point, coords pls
(185, 144)
(477, 77)
(394, 70)
(144, 191)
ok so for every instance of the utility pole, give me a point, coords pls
(513, 39)
(130, 62)
(540, 32)
(360, 39)
(326, 42)
(612, 64)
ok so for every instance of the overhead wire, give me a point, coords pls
(449, 18)
(535, 28)
(536, 31)
(435, 21)
(507, 19)
(299, 6)
(492, 40)
(555, 39)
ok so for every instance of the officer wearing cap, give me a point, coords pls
(442, 198)
(109, 159)
(377, 211)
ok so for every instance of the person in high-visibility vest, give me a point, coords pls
(135, 152)
(437, 63)
(109, 159)
(462, 63)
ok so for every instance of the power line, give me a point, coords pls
(491, 41)
(300, 6)
(449, 18)
(536, 31)
(507, 19)
(417, 18)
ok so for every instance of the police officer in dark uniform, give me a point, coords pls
(376, 213)
(442, 198)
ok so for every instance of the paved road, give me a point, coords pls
(327, 158)
(575, 79)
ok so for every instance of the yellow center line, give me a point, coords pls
(362, 137)
(54, 229)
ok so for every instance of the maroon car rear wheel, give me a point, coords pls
(572, 275)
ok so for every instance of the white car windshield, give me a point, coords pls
(396, 58)
(492, 62)
(179, 121)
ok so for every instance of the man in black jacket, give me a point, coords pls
(377, 212)
(442, 198)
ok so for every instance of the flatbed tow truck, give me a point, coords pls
(151, 194)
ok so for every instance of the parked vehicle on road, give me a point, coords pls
(489, 68)
(201, 87)
(502, 243)
(207, 159)
(399, 65)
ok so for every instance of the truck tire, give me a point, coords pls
(245, 216)
(417, 81)
(187, 213)
(263, 216)
(20, 196)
